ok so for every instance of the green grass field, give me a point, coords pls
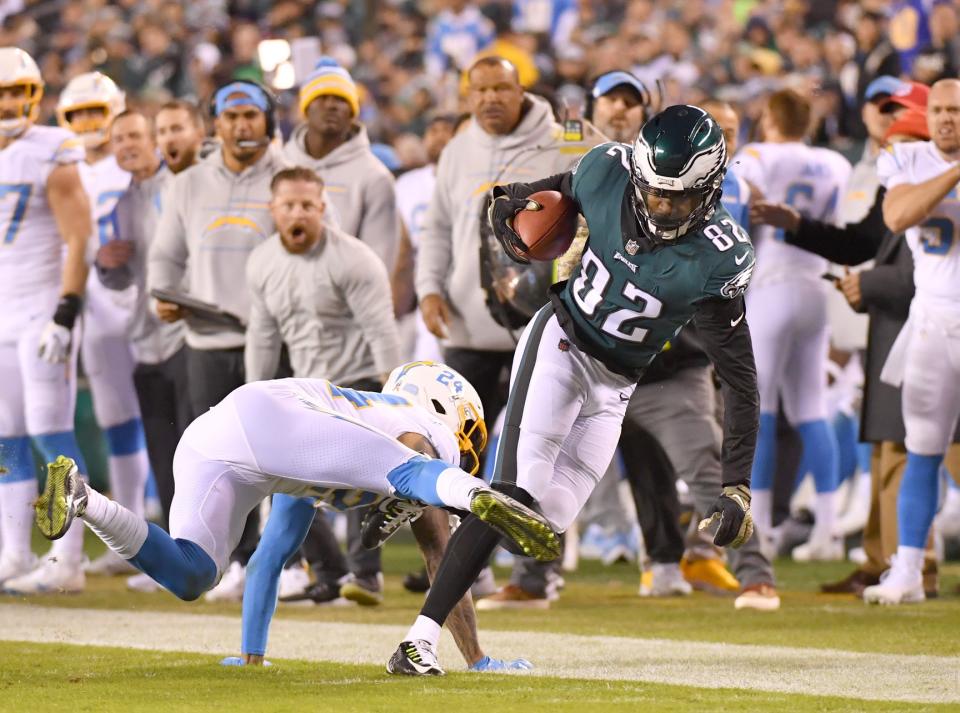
(597, 602)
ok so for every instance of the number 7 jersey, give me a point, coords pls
(624, 308)
(31, 247)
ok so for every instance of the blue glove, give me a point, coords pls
(238, 661)
(489, 664)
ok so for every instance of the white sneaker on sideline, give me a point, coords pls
(142, 582)
(53, 576)
(819, 549)
(230, 587)
(109, 564)
(858, 556)
(898, 585)
(12, 567)
(293, 580)
(667, 581)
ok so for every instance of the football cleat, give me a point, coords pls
(64, 498)
(518, 523)
(415, 658)
(365, 591)
(665, 580)
(386, 517)
(238, 661)
(55, 575)
(487, 664)
(898, 585)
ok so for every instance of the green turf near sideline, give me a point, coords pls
(57, 677)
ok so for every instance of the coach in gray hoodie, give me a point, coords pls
(512, 136)
(335, 145)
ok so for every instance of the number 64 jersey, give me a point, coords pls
(626, 300)
(31, 248)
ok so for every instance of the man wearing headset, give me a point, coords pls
(216, 213)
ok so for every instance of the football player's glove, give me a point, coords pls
(488, 664)
(54, 343)
(503, 209)
(732, 510)
(383, 519)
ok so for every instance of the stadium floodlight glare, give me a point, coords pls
(285, 77)
(272, 54)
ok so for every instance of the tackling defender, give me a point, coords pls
(661, 251)
(429, 385)
(301, 437)
(42, 206)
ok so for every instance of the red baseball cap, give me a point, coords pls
(912, 122)
(912, 95)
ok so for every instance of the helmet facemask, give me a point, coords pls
(471, 437)
(677, 168)
(27, 111)
(90, 122)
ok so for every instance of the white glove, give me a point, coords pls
(54, 343)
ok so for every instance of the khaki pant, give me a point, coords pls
(887, 464)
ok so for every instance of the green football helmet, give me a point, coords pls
(678, 164)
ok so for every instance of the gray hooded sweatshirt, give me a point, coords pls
(360, 187)
(212, 219)
(448, 260)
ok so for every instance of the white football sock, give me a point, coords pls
(825, 516)
(16, 517)
(910, 559)
(761, 502)
(128, 480)
(424, 629)
(120, 529)
(454, 488)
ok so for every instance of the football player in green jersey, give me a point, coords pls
(662, 251)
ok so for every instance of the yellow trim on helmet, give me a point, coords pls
(88, 125)
(473, 440)
(31, 105)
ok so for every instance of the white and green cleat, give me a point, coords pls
(518, 523)
(64, 498)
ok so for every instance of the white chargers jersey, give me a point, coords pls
(936, 258)
(268, 428)
(31, 248)
(104, 182)
(807, 178)
(414, 191)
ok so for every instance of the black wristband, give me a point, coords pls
(67, 310)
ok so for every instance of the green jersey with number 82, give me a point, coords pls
(629, 297)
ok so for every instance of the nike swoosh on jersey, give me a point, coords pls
(738, 320)
(739, 260)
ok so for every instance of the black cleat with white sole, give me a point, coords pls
(415, 658)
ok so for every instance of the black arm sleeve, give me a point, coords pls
(850, 245)
(725, 337)
(562, 182)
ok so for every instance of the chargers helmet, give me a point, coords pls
(445, 393)
(91, 90)
(678, 164)
(17, 69)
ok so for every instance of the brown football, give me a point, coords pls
(548, 232)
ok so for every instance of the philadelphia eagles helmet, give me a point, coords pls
(678, 164)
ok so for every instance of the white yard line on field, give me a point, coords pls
(819, 672)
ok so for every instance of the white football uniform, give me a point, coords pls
(301, 437)
(36, 397)
(787, 302)
(414, 190)
(107, 356)
(926, 355)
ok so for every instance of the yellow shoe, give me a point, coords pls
(709, 576)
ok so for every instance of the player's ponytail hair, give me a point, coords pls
(791, 112)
